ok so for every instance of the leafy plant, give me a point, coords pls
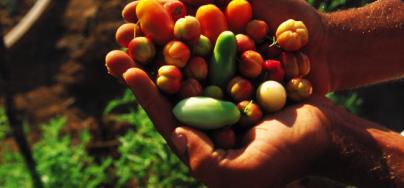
(127, 102)
(59, 162)
(13, 172)
(62, 164)
(332, 5)
(4, 128)
(145, 155)
(350, 101)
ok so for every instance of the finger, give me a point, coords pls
(199, 152)
(218, 168)
(117, 62)
(149, 97)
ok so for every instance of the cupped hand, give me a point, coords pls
(282, 147)
(277, 150)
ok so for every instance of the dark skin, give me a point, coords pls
(269, 147)
(314, 137)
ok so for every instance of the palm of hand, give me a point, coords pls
(274, 153)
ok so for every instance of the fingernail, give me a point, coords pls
(180, 142)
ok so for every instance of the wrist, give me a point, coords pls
(356, 156)
(357, 40)
(328, 48)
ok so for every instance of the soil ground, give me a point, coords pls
(58, 70)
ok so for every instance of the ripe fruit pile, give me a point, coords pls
(222, 66)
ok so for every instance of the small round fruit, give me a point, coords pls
(197, 68)
(169, 79)
(257, 30)
(238, 13)
(190, 88)
(273, 70)
(224, 138)
(251, 113)
(251, 64)
(176, 9)
(202, 47)
(141, 49)
(213, 91)
(117, 62)
(271, 96)
(296, 64)
(299, 89)
(129, 12)
(187, 29)
(125, 33)
(176, 53)
(244, 43)
(292, 35)
(240, 89)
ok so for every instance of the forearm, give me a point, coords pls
(365, 45)
(365, 153)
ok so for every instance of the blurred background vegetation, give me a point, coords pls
(84, 129)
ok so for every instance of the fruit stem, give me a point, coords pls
(274, 42)
(245, 110)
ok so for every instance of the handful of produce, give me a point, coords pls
(224, 69)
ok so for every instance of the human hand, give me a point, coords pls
(277, 150)
(312, 138)
(280, 148)
(260, 153)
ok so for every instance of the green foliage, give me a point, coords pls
(4, 128)
(333, 5)
(145, 155)
(59, 162)
(13, 172)
(127, 101)
(62, 164)
(350, 101)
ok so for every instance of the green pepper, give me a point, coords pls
(223, 66)
(206, 113)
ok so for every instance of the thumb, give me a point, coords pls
(197, 149)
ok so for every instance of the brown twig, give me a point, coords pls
(14, 121)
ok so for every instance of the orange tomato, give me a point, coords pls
(155, 21)
(238, 13)
(212, 21)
